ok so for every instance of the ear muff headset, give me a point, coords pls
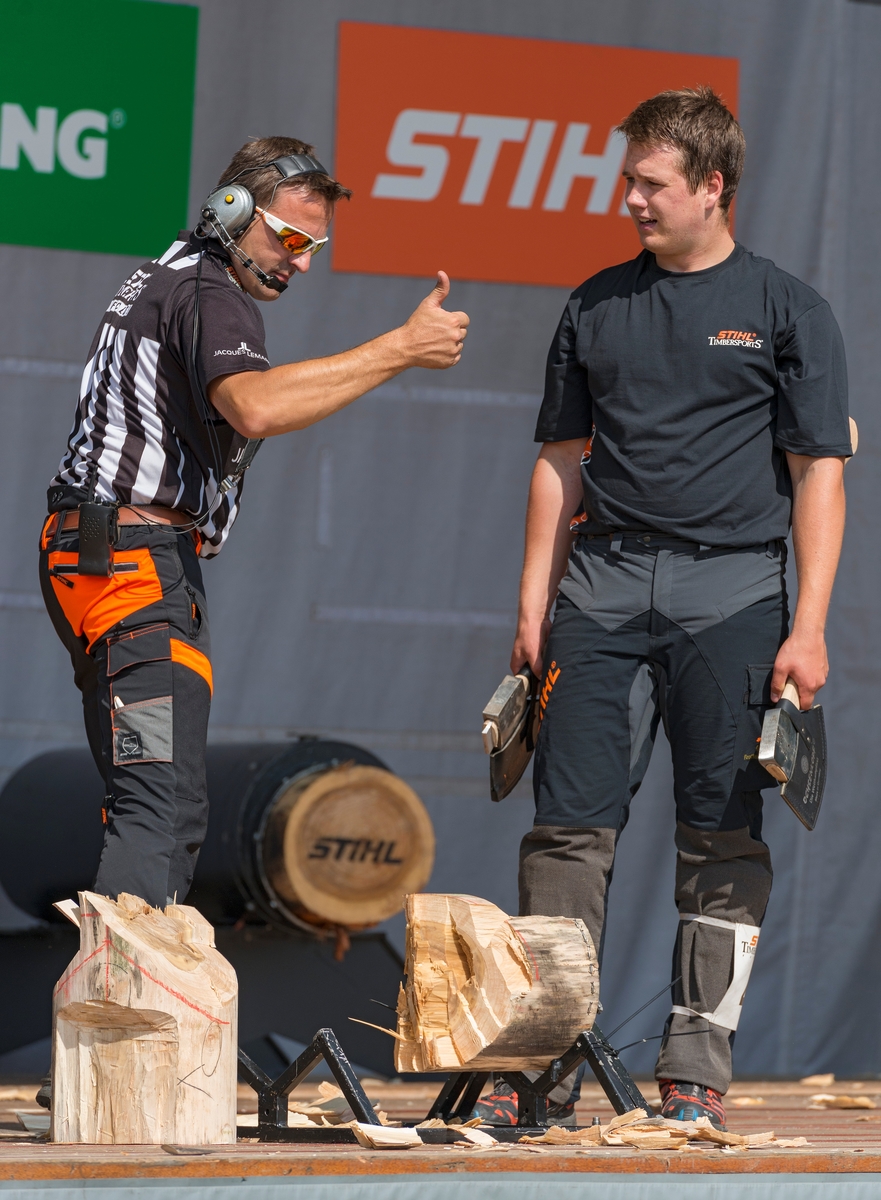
(229, 210)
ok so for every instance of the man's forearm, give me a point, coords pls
(296, 395)
(554, 495)
(818, 507)
(264, 403)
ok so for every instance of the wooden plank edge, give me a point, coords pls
(430, 1161)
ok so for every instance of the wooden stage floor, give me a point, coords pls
(840, 1142)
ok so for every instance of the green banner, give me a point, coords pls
(96, 117)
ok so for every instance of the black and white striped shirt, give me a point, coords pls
(140, 418)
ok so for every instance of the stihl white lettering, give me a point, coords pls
(532, 164)
(572, 163)
(491, 133)
(402, 151)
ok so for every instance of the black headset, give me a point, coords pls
(229, 210)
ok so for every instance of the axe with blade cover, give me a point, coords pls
(510, 727)
(793, 750)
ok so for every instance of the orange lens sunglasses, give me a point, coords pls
(295, 241)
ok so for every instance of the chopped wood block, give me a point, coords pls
(485, 991)
(144, 1046)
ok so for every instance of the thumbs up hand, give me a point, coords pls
(433, 337)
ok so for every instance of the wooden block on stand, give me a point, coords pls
(144, 1029)
(485, 991)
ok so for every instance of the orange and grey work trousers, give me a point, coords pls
(139, 643)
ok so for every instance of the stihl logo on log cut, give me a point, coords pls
(736, 337)
(355, 850)
(495, 158)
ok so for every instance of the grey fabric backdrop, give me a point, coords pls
(370, 586)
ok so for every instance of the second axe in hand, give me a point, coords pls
(510, 727)
(793, 750)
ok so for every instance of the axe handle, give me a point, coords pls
(854, 435)
(790, 693)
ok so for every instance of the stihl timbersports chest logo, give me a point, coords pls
(495, 158)
(736, 337)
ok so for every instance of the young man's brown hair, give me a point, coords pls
(695, 122)
(262, 181)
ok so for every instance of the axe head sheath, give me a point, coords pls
(510, 727)
(793, 751)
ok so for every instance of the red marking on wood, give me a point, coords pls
(529, 952)
(67, 978)
(171, 991)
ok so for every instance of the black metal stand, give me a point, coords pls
(455, 1100)
(460, 1093)
(272, 1094)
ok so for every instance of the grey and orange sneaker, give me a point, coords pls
(500, 1108)
(681, 1101)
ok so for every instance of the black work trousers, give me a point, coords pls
(656, 629)
(139, 644)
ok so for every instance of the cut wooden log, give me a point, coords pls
(344, 846)
(485, 991)
(145, 1040)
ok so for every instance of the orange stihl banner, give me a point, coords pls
(493, 158)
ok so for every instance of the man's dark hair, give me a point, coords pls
(695, 122)
(262, 181)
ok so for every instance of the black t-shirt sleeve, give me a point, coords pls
(566, 410)
(231, 334)
(812, 416)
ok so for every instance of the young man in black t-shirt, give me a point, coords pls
(695, 406)
(175, 396)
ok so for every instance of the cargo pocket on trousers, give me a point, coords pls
(144, 731)
(760, 684)
(141, 695)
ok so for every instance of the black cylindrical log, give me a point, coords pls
(50, 816)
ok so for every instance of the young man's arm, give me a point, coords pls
(554, 496)
(817, 532)
(264, 403)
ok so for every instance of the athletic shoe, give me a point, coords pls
(687, 1101)
(500, 1108)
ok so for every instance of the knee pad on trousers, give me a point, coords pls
(722, 873)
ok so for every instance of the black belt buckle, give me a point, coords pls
(97, 536)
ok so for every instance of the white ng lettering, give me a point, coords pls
(491, 133)
(90, 161)
(572, 163)
(84, 157)
(402, 151)
(18, 134)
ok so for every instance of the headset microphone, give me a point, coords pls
(229, 210)
(210, 217)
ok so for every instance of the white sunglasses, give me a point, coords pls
(295, 241)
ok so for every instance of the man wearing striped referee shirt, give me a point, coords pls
(175, 397)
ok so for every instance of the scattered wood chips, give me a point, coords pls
(642, 1132)
(747, 1101)
(827, 1100)
(818, 1080)
(382, 1137)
